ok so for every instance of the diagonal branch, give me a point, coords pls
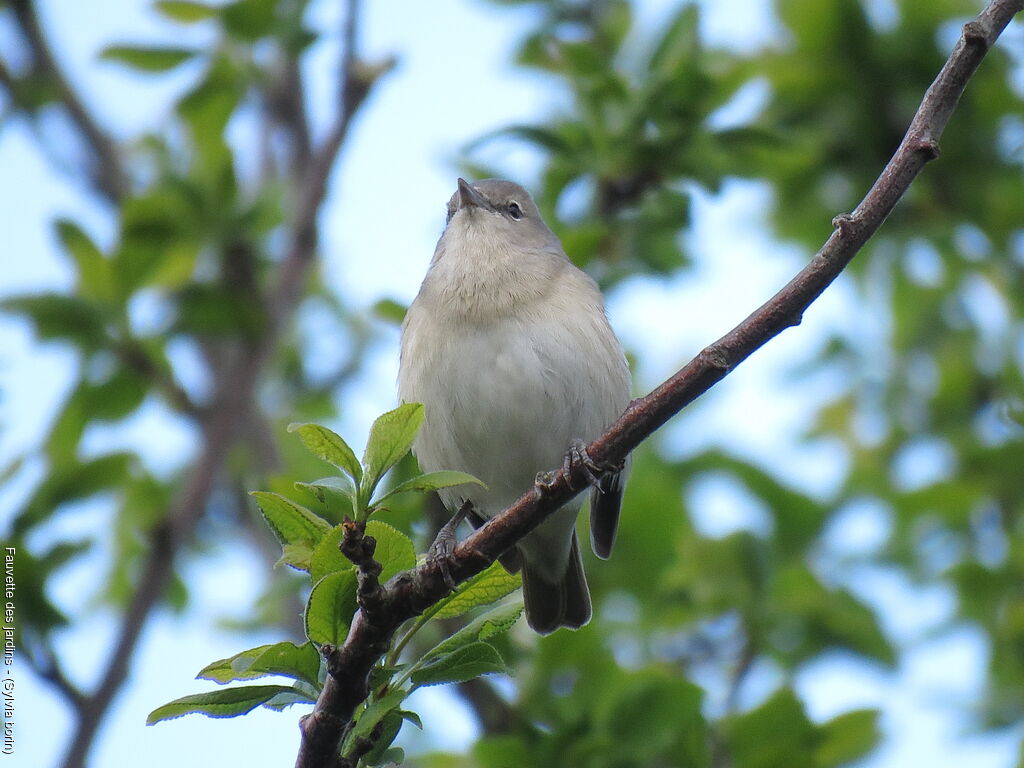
(410, 593)
(106, 171)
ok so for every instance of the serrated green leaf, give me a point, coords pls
(297, 556)
(431, 481)
(291, 523)
(390, 726)
(147, 59)
(499, 619)
(395, 551)
(327, 557)
(326, 487)
(460, 665)
(300, 662)
(412, 717)
(330, 607)
(329, 446)
(486, 587)
(232, 668)
(185, 11)
(376, 712)
(295, 695)
(390, 439)
(226, 702)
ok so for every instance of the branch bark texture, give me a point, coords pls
(408, 594)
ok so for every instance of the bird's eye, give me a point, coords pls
(515, 211)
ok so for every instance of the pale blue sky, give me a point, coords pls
(452, 85)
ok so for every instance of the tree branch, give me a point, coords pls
(357, 78)
(49, 668)
(229, 418)
(106, 172)
(408, 594)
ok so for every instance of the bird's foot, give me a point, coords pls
(443, 546)
(577, 459)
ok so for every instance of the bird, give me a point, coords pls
(508, 347)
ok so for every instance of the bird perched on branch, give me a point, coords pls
(508, 347)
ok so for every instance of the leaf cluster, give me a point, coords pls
(311, 544)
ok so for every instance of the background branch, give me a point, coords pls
(409, 594)
(106, 172)
(237, 374)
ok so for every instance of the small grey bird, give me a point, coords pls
(508, 347)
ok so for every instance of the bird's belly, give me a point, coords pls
(497, 408)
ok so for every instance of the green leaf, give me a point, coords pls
(395, 551)
(650, 714)
(376, 712)
(147, 59)
(327, 557)
(329, 446)
(71, 481)
(298, 556)
(213, 310)
(394, 756)
(330, 607)
(208, 107)
(95, 276)
(390, 311)
(431, 481)
(294, 695)
(185, 11)
(486, 587)
(390, 439)
(776, 733)
(290, 522)
(847, 737)
(56, 316)
(232, 668)
(463, 664)
(412, 717)
(249, 20)
(226, 702)
(300, 662)
(109, 400)
(390, 726)
(327, 485)
(499, 619)
(336, 494)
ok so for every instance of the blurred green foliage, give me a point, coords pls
(928, 409)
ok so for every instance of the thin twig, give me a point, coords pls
(135, 357)
(408, 594)
(48, 667)
(106, 172)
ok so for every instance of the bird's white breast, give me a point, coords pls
(504, 397)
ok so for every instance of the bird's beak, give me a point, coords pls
(469, 197)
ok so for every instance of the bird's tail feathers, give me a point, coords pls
(562, 604)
